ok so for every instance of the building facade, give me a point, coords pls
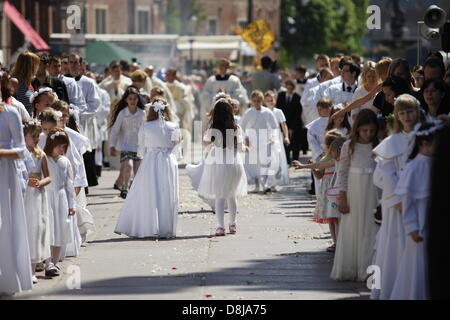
(230, 17)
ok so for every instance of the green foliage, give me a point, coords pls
(321, 26)
(173, 21)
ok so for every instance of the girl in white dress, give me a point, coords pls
(224, 177)
(79, 144)
(151, 208)
(392, 154)
(413, 188)
(61, 196)
(316, 134)
(15, 267)
(282, 175)
(260, 127)
(195, 171)
(126, 120)
(357, 201)
(51, 119)
(42, 100)
(36, 204)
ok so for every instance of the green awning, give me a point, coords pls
(103, 52)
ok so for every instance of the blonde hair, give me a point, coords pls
(257, 93)
(26, 67)
(269, 93)
(369, 66)
(29, 127)
(330, 136)
(405, 102)
(382, 68)
(336, 145)
(138, 76)
(325, 103)
(153, 115)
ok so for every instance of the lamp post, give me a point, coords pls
(193, 29)
(249, 12)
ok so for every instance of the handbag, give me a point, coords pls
(332, 193)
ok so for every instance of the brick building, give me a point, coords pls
(225, 17)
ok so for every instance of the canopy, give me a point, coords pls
(25, 27)
(103, 52)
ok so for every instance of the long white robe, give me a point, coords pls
(413, 187)
(15, 266)
(260, 127)
(392, 154)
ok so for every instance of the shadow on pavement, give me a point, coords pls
(298, 271)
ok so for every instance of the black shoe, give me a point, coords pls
(116, 187)
(312, 192)
(377, 215)
(268, 190)
(123, 194)
(106, 164)
(86, 190)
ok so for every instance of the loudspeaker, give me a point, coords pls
(435, 17)
(445, 34)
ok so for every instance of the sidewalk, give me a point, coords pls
(277, 253)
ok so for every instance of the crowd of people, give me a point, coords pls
(371, 128)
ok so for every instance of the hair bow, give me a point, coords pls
(159, 107)
(56, 134)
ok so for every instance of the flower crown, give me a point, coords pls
(220, 95)
(31, 122)
(56, 134)
(41, 91)
(437, 125)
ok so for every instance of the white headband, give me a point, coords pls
(437, 125)
(41, 91)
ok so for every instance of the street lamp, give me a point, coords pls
(193, 29)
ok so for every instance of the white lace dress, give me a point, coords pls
(357, 229)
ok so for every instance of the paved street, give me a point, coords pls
(278, 253)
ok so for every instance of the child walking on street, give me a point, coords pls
(224, 177)
(126, 122)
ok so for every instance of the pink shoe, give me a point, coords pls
(220, 232)
(232, 228)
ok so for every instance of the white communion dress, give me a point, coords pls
(61, 197)
(15, 266)
(37, 212)
(151, 207)
(223, 173)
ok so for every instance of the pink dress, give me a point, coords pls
(320, 213)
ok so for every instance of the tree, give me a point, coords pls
(309, 27)
(173, 24)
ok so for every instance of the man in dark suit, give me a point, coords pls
(289, 103)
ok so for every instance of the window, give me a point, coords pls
(212, 27)
(143, 22)
(100, 21)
